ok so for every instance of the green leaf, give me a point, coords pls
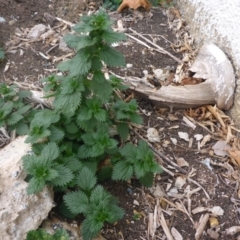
(86, 179)
(68, 103)
(37, 133)
(90, 228)
(130, 152)
(147, 179)
(23, 109)
(72, 128)
(111, 57)
(65, 176)
(80, 64)
(42, 234)
(56, 134)
(21, 128)
(101, 87)
(72, 40)
(111, 37)
(76, 202)
(35, 185)
(122, 171)
(64, 211)
(2, 55)
(14, 118)
(73, 163)
(50, 151)
(123, 130)
(84, 114)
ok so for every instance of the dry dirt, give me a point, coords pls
(27, 65)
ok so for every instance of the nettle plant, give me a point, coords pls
(73, 148)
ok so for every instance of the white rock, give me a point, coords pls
(184, 136)
(153, 135)
(19, 212)
(37, 31)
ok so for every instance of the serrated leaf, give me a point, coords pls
(85, 151)
(37, 134)
(65, 176)
(101, 87)
(23, 109)
(84, 114)
(140, 169)
(123, 130)
(79, 65)
(64, 211)
(122, 171)
(100, 115)
(147, 179)
(111, 37)
(73, 163)
(111, 57)
(116, 213)
(56, 134)
(41, 234)
(21, 128)
(135, 118)
(76, 202)
(68, 103)
(14, 118)
(129, 151)
(72, 128)
(50, 151)
(35, 185)
(86, 179)
(90, 228)
(72, 40)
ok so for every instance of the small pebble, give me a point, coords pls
(130, 190)
(11, 22)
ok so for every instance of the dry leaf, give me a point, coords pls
(134, 4)
(176, 234)
(181, 162)
(184, 136)
(220, 148)
(235, 154)
(206, 139)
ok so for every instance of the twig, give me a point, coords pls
(158, 47)
(196, 183)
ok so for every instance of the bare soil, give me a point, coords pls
(27, 65)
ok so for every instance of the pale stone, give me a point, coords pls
(37, 31)
(19, 212)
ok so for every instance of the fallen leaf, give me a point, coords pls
(180, 182)
(184, 136)
(217, 211)
(220, 148)
(198, 137)
(235, 154)
(134, 4)
(174, 140)
(181, 162)
(175, 233)
(206, 139)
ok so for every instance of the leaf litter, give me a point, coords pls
(186, 182)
